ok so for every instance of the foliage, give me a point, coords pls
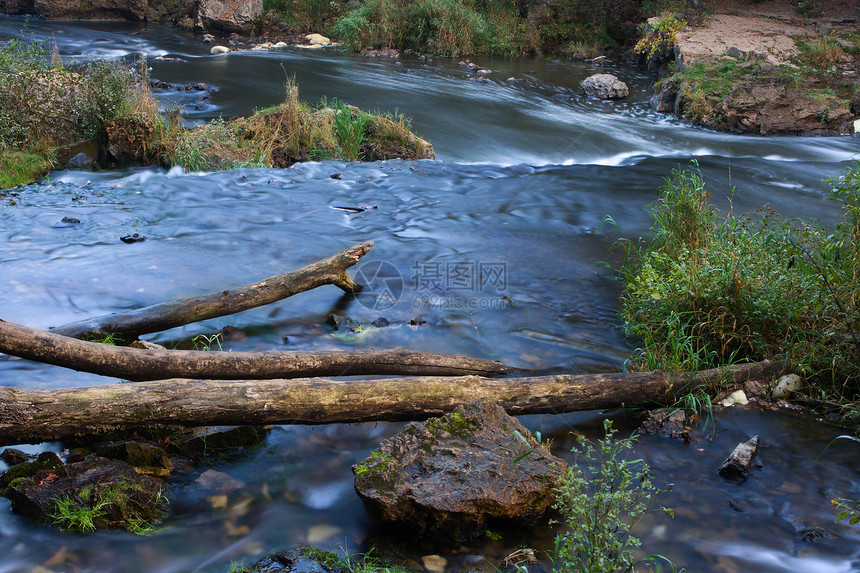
(600, 503)
(848, 509)
(21, 167)
(205, 343)
(820, 54)
(306, 15)
(365, 563)
(506, 27)
(350, 126)
(660, 37)
(708, 290)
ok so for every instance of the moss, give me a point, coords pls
(454, 423)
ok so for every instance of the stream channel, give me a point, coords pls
(497, 246)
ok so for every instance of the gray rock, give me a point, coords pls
(92, 9)
(80, 161)
(450, 475)
(229, 16)
(605, 86)
(738, 464)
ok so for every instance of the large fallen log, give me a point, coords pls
(142, 364)
(36, 416)
(129, 325)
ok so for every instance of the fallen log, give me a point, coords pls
(129, 325)
(143, 364)
(36, 416)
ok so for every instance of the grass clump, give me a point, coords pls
(708, 289)
(600, 501)
(820, 54)
(94, 507)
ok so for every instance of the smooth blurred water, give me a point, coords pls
(498, 247)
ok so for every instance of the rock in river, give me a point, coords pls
(451, 475)
(605, 86)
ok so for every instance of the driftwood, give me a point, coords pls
(129, 325)
(139, 364)
(36, 416)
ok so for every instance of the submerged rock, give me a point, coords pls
(605, 86)
(453, 474)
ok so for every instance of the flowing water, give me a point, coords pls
(498, 248)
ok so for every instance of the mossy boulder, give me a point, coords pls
(455, 474)
(93, 494)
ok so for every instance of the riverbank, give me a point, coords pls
(766, 68)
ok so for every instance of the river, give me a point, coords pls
(498, 247)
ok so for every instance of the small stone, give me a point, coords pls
(321, 532)
(736, 397)
(208, 38)
(132, 238)
(738, 463)
(317, 40)
(786, 386)
(217, 501)
(219, 50)
(434, 563)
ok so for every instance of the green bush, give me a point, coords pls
(600, 501)
(709, 289)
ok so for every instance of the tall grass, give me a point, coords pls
(709, 289)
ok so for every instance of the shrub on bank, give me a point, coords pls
(709, 289)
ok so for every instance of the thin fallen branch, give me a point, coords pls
(130, 325)
(35, 416)
(141, 364)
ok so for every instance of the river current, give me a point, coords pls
(499, 249)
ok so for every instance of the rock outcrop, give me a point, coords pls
(452, 475)
(605, 86)
(92, 9)
(228, 15)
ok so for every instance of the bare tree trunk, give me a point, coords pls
(130, 325)
(36, 416)
(139, 364)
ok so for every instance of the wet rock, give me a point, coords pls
(215, 50)
(669, 422)
(605, 86)
(452, 475)
(67, 222)
(146, 458)
(13, 456)
(132, 238)
(208, 38)
(738, 464)
(109, 491)
(786, 386)
(80, 161)
(218, 482)
(237, 16)
(297, 560)
(665, 99)
(754, 388)
(813, 534)
(211, 439)
(46, 463)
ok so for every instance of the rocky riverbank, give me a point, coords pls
(764, 68)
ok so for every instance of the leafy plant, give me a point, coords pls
(90, 508)
(206, 342)
(601, 500)
(350, 126)
(709, 290)
(659, 37)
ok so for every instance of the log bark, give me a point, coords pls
(130, 325)
(36, 416)
(141, 364)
